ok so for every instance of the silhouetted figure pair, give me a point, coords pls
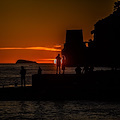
(58, 64)
(39, 71)
(78, 70)
(23, 73)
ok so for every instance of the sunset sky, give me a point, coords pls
(36, 29)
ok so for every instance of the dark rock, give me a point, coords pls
(24, 61)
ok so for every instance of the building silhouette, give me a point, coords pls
(74, 48)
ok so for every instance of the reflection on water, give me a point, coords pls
(65, 110)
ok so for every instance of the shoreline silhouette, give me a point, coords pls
(98, 85)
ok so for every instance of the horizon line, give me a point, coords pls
(37, 61)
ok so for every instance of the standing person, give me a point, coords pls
(91, 68)
(85, 69)
(39, 71)
(23, 73)
(78, 70)
(63, 64)
(58, 63)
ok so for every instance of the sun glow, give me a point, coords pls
(45, 61)
(55, 61)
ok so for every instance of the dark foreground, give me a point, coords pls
(100, 86)
(30, 93)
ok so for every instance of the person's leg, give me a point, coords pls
(21, 81)
(24, 81)
(59, 69)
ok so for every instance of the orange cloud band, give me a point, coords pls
(57, 46)
(32, 48)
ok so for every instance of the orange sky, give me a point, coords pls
(30, 29)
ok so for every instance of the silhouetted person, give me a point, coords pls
(58, 63)
(39, 71)
(78, 70)
(63, 64)
(23, 73)
(16, 83)
(85, 69)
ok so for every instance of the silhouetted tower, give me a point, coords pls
(74, 36)
(74, 48)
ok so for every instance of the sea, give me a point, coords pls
(51, 110)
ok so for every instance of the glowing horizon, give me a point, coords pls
(38, 61)
(45, 61)
(30, 57)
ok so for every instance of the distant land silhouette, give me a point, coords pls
(25, 61)
(103, 50)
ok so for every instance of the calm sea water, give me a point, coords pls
(50, 110)
(10, 73)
